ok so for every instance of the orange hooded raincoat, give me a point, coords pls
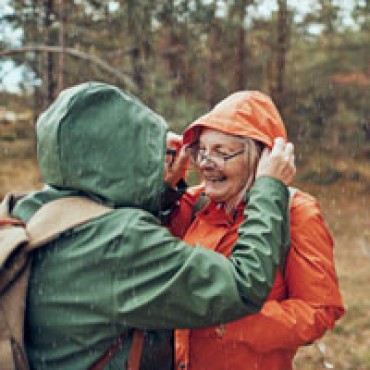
(304, 301)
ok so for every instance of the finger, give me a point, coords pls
(279, 145)
(265, 153)
(292, 170)
(289, 150)
(292, 175)
(289, 154)
(181, 163)
(182, 156)
(178, 169)
(292, 163)
(173, 140)
(173, 135)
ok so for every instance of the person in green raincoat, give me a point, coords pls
(123, 270)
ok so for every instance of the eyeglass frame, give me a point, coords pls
(209, 158)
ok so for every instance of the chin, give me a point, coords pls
(214, 195)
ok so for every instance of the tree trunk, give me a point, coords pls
(37, 65)
(213, 43)
(170, 48)
(212, 56)
(62, 44)
(240, 65)
(136, 55)
(48, 7)
(282, 30)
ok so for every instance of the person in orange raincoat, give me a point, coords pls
(305, 300)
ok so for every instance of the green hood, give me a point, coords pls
(100, 140)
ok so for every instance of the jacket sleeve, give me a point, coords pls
(168, 284)
(314, 302)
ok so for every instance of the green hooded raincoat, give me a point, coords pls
(123, 269)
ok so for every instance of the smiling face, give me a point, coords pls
(223, 183)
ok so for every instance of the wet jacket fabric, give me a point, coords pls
(305, 300)
(123, 270)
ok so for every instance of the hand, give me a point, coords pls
(173, 140)
(176, 167)
(279, 163)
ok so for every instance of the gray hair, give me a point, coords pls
(253, 151)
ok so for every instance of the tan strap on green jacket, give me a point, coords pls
(16, 241)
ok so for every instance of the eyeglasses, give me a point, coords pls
(217, 160)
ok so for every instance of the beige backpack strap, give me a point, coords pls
(46, 224)
(16, 240)
(6, 355)
(7, 204)
(10, 241)
(60, 215)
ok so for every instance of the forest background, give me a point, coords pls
(183, 56)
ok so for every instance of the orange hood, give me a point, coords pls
(246, 113)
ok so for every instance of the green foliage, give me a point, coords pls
(183, 57)
(179, 111)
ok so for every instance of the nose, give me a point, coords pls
(206, 163)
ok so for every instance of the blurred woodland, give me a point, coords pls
(183, 56)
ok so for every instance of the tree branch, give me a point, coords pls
(127, 80)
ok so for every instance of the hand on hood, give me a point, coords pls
(278, 163)
(177, 168)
